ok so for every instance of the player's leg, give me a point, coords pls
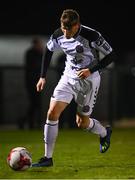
(94, 126)
(61, 97)
(51, 126)
(51, 132)
(91, 125)
(84, 111)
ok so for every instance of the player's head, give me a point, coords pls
(70, 22)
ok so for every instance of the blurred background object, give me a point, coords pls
(32, 65)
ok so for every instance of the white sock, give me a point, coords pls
(50, 135)
(96, 128)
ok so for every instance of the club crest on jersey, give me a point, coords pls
(86, 108)
(79, 49)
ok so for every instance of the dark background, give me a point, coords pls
(114, 19)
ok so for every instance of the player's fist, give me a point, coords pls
(83, 73)
(40, 85)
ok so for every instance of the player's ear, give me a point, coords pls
(78, 25)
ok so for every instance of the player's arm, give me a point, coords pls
(46, 59)
(102, 46)
(51, 46)
(99, 65)
(97, 42)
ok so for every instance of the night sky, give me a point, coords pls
(115, 21)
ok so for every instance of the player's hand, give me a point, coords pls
(40, 85)
(83, 73)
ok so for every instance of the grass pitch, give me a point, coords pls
(76, 155)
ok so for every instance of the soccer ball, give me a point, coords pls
(19, 159)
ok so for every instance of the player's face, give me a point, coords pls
(69, 33)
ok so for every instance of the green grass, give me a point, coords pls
(76, 155)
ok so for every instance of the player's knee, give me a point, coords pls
(82, 121)
(82, 125)
(52, 115)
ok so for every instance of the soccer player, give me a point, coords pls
(80, 80)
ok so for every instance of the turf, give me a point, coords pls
(76, 155)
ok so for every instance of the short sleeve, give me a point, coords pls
(52, 44)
